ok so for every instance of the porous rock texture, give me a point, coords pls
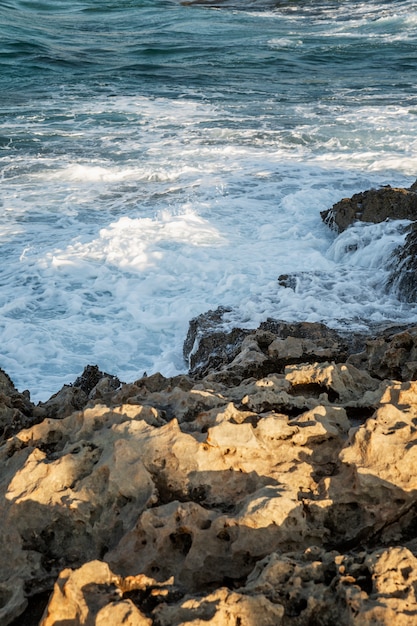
(280, 493)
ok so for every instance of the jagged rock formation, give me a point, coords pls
(277, 489)
(208, 345)
(230, 355)
(18, 412)
(403, 279)
(16, 409)
(374, 205)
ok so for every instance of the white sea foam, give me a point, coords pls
(124, 297)
(125, 216)
(284, 42)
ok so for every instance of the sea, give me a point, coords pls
(159, 159)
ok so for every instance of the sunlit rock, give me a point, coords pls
(374, 205)
(284, 497)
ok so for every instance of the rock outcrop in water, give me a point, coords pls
(374, 205)
(403, 279)
(276, 487)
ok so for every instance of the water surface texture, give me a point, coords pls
(159, 159)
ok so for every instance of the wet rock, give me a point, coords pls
(208, 344)
(374, 205)
(91, 377)
(229, 357)
(403, 278)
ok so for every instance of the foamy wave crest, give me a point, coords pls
(138, 244)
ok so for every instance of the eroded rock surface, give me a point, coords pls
(92, 384)
(277, 489)
(391, 354)
(230, 356)
(210, 342)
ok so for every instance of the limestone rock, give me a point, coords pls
(374, 205)
(256, 498)
(63, 403)
(284, 497)
(313, 587)
(91, 385)
(393, 596)
(91, 595)
(329, 588)
(221, 607)
(94, 595)
(387, 467)
(71, 488)
(13, 599)
(299, 350)
(373, 490)
(344, 383)
(391, 355)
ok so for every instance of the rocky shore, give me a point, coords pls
(274, 484)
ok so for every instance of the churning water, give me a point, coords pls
(159, 159)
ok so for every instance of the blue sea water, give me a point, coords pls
(158, 159)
